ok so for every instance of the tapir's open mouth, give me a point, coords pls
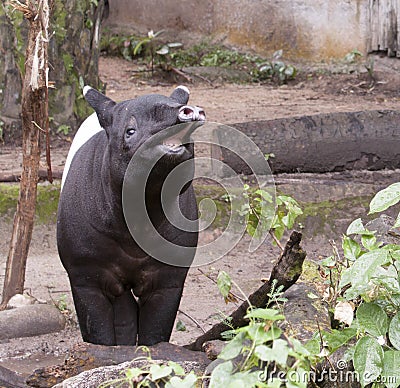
(176, 138)
(173, 146)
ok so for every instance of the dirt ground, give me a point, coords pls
(314, 92)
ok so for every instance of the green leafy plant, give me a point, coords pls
(153, 374)
(368, 277)
(150, 46)
(258, 355)
(353, 56)
(64, 129)
(154, 50)
(262, 215)
(62, 304)
(275, 69)
(206, 55)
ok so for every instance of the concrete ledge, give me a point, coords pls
(31, 320)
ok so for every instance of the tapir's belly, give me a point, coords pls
(113, 263)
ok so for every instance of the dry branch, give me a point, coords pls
(285, 272)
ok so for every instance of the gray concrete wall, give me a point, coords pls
(304, 29)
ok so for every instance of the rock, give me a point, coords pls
(30, 320)
(95, 377)
(383, 226)
(305, 315)
(20, 300)
(213, 348)
(97, 363)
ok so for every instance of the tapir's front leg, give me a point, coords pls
(95, 315)
(154, 328)
(106, 320)
(125, 319)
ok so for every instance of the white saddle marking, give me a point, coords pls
(86, 131)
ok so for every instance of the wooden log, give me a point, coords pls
(7, 177)
(285, 272)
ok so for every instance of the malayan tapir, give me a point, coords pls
(123, 295)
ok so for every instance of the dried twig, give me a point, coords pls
(193, 320)
(182, 74)
(277, 242)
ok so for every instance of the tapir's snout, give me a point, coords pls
(191, 113)
(175, 139)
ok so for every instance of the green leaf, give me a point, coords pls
(223, 376)
(368, 360)
(337, 338)
(394, 332)
(391, 369)
(297, 378)
(385, 198)
(280, 351)
(158, 33)
(397, 223)
(313, 345)
(266, 314)
(233, 348)
(259, 335)
(224, 283)
(356, 227)
(298, 348)
(387, 277)
(178, 369)
(180, 326)
(164, 50)
(139, 45)
(351, 248)
(160, 371)
(369, 242)
(133, 373)
(265, 195)
(263, 352)
(364, 268)
(372, 319)
(188, 382)
(174, 44)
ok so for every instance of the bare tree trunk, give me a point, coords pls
(34, 120)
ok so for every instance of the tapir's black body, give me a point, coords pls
(122, 295)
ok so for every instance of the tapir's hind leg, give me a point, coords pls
(95, 315)
(125, 319)
(157, 314)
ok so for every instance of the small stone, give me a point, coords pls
(20, 300)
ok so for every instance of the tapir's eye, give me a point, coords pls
(130, 131)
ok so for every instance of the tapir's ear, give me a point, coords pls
(102, 105)
(181, 95)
